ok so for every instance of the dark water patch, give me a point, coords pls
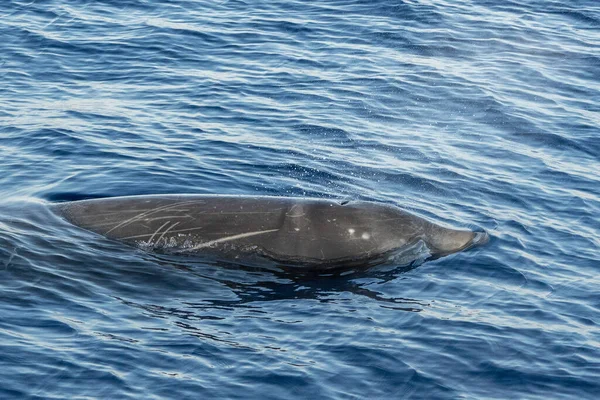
(70, 196)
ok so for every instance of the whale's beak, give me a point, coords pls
(447, 241)
(468, 239)
(479, 239)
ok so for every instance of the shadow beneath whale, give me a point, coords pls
(279, 296)
(265, 280)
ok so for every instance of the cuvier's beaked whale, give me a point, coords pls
(304, 231)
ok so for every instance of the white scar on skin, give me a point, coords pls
(165, 232)
(158, 230)
(229, 238)
(147, 213)
(167, 217)
(148, 234)
(292, 212)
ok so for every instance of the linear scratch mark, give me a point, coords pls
(229, 238)
(119, 213)
(165, 232)
(292, 213)
(148, 220)
(158, 230)
(198, 213)
(148, 234)
(171, 217)
(147, 213)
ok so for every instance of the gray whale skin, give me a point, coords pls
(310, 232)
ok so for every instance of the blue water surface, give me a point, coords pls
(481, 114)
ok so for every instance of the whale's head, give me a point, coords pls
(391, 228)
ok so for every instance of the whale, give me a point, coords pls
(309, 232)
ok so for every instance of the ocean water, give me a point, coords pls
(472, 113)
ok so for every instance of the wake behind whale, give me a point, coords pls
(299, 231)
